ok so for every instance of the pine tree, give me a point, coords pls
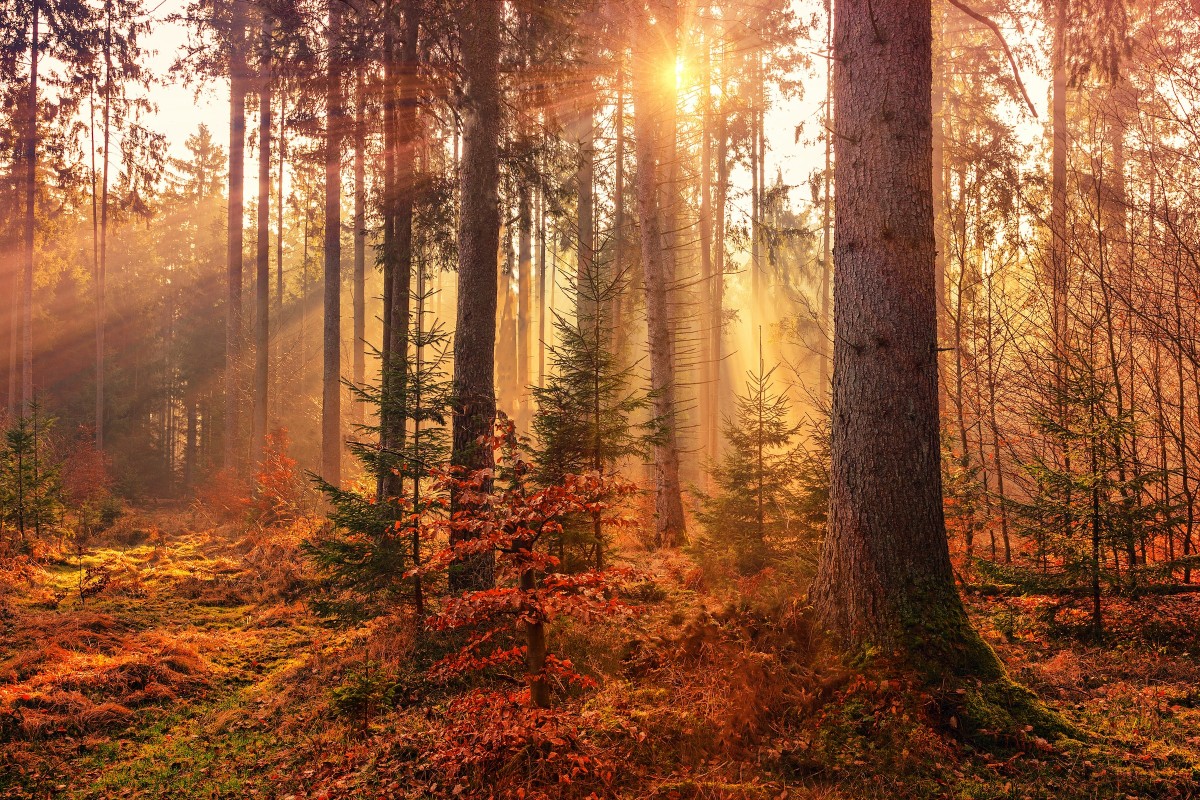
(30, 485)
(1078, 507)
(375, 542)
(587, 409)
(757, 501)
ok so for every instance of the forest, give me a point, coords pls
(749, 399)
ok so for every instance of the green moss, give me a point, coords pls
(937, 641)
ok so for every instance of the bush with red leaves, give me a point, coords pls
(278, 488)
(506, 512)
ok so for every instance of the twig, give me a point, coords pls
(975, 15)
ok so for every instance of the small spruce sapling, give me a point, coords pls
(372, 555)
(756, 499)
(30, 486)
(590, 415)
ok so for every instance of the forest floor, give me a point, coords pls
(190, 667)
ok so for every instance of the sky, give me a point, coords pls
(181, 108)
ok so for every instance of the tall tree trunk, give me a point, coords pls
(478, 243)
(279, 253)
(402, 120)
(1058, 232)
(237, 155)
(619, 299)
(262, 285)
(649, 112)
(331, 384)
(359, 357)
(386, 481)
(102, 265)
(717, 323)
(884, 575)
(587, 279)
(541, 289)
(30, 186)
(708, 365)
(524, 297)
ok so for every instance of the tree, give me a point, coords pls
(238, 80)
(331, 382)
(653, 106)
(756, 498)
(585, 411)
(515, 518)
(373, 555)
(478, 242)
(262, 283)
(30, 485)
(884, 577)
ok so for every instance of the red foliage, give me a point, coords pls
(278, 488)
(487, 729)
(224, 495)
(85, 472)
(514, 519)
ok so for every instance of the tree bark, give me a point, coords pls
(885, 576)
(331, 384)
(262, 286)
(102, 264)
(359, 355)
(279, 251)
(524, 297)
(237, 155)
(401, 120)
(587, 281)
(30, 187)
(718, 299)
(478, 244)
(708, 365)
(649, 56)
(619, 299)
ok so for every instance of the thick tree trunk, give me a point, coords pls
(331, 384)
(885, 576)
(14, 336)
(478, 243)
(649, 56)
(233, 301)
(262, 286)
